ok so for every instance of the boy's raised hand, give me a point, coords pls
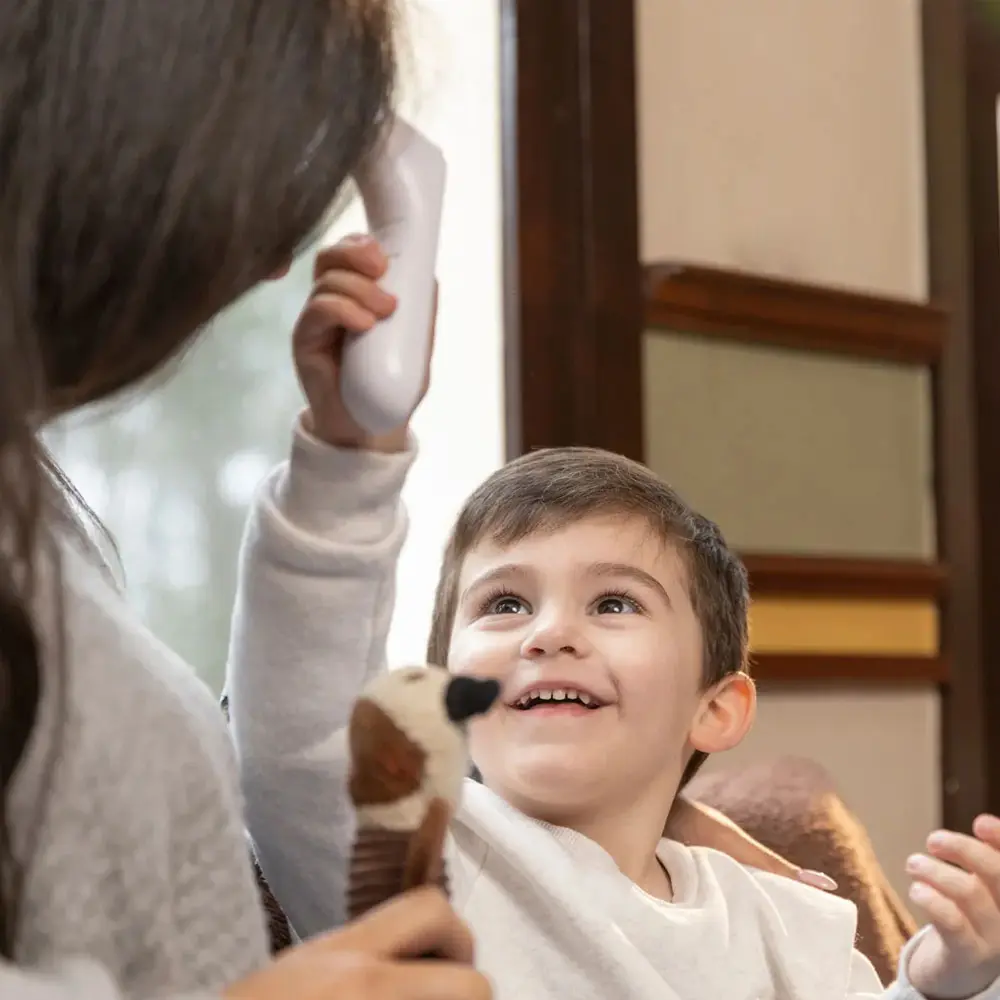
(346, 301)
(957, 885)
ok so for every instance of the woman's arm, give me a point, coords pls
(698, 825)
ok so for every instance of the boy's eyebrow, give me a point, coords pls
(504, 572)
(631, 573)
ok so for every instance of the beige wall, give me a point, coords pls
(785, 138)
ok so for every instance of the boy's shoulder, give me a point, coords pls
(800, 923)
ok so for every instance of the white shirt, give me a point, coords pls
(554, 917)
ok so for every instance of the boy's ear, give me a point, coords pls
(725, 715)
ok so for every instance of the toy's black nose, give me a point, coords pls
(470, 696)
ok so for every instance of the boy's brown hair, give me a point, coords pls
(555, 487)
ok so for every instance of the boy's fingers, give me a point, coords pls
(944, 914)
(987, 829)
(358, 287)
(354, 253)
(413, 924)
(966, 892)
(970, 854)
(326, 311)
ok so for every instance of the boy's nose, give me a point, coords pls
(549, 638)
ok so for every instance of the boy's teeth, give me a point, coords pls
(558, 694)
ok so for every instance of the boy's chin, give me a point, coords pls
(545, 781)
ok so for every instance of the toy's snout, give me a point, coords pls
(467, 697)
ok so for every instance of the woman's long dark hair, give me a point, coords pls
(157, 159)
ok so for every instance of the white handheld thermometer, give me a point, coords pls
(402, 191)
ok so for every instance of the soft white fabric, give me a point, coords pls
(553, 916)
(126, 812)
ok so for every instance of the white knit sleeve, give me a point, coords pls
(310, 626)
(903, 989)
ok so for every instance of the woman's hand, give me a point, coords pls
(701, 826)
(346, 301)
(377, 958)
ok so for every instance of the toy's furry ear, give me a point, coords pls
(386, 765)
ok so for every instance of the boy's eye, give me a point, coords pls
(506, 606)
(616, 604)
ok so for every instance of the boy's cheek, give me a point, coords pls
(476, 654)
(486, 740)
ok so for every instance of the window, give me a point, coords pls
(171, 473)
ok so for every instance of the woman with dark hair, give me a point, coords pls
(157, 159)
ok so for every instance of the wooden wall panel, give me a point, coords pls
(792, 450)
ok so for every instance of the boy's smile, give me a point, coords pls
(555, 695)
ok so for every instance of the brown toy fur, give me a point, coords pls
(387, 862)
(394, 764)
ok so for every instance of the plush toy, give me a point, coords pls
(409, 757)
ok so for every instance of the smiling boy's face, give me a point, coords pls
(591, 630)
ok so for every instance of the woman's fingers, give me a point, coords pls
(430, 980)
(411, 925)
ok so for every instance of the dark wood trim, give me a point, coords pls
(961, 67)
(747, 307)
(574, 315)
(776, 575)
(881, 671)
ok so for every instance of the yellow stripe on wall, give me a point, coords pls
(844, 626)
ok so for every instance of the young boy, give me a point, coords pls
(616, 619)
